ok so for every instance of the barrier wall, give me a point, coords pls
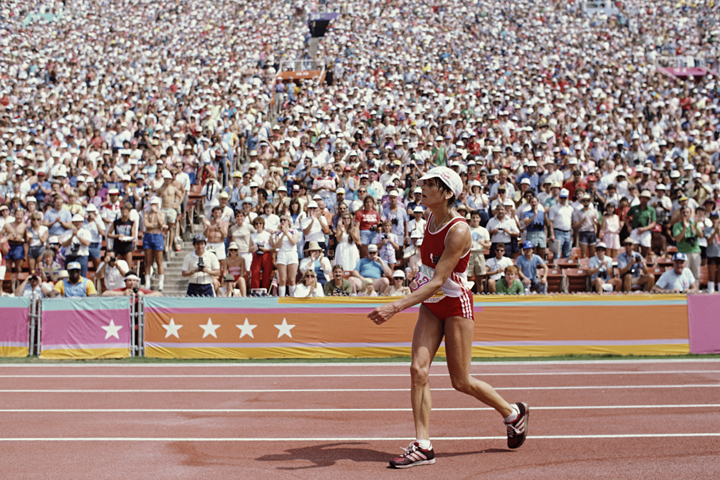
(339, 327)
(704, 323)
(14, 327)
(85, 328)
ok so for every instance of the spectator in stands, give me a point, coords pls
(528, 265)
(262, 266)
(678, 280)
(633, 269)
(96, 226)
(36, 237)
(535, 220)
(202, 267)
(338, 286)
(367, 219)
(560, 217)
(216, 231)
(227, 289)
(235, 265)
(601, 271)
(371, 270)
(585, 222)
(397, 289)
(496, 266)
(316, 261)
(33, 286)
(130, 286)
(642, 220)
(686, 233)
(123, 230)
(77, 242)
(154, 242)
(509, 283)
(315, 226)
(480, 241)
(347, 237)
(712, 234)
(14, 232)
(74, 285)
(502, 229)
(113, 271)
(610, 230)
(57, 219)
(284, 241)
(388, 244)
(309, 287)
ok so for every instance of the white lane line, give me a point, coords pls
(342, 390)
(351, 439)
(334, 410)
(373, 375)
(403, 364)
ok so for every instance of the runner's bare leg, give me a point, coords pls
(458, 349)
(426, 341)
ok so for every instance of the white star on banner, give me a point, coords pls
(246, 329)
(284, 329)
(112, 330)
(172, 329)
(209, 328)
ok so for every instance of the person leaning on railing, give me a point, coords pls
(132, 286)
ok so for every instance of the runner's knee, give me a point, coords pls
(419, 372)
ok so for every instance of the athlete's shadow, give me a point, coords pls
(328, 454)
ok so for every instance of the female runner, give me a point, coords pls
(446, 311)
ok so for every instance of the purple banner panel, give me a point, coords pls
(704, 323)
(14, 326)
(85, 327)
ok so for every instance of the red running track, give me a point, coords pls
(599, 419)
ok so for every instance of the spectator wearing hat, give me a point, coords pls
(339, 286)
(509, 283)
(600, 269)
(74, 285)
(502, 181)
(632, 268)
(712, 234)
(77, 242)
(235, 265)
(123, 231)
(686, 233)
(130, 286)
(642, 220)
(262, 266)
(371, 270)
(154, 242)
(418, 222)
(678, 280)
(561, 216)
(396, 289)
(536, 220)
(528, 265)
(202, 267)
(398, 217)
(585, 223)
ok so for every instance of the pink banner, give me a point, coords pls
(85, 327)
(704, 323)
(14, 326)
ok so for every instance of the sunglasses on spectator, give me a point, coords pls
(309, 276)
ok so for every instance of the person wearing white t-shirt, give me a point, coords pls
(496, 266)
(678, 280)
(480, 241)
(77, 242)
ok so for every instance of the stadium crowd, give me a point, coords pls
(119, 119)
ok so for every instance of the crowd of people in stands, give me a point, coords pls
(569, 141)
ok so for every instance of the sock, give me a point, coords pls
(711, 287)
(161, 280)
(147, 281)
(291, 289)
(281, 291)
(513, 416)
(424, 444)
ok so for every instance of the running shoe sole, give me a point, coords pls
(414, 464)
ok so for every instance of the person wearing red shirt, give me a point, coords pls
(367, 218)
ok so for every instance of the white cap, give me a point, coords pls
(77, 218)
(449, 177)
(91, 208)
(155, 200)
(525, 181)
(312, 204)
(166, 174)
(398, 274)
(394, 193)
(564, 193)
